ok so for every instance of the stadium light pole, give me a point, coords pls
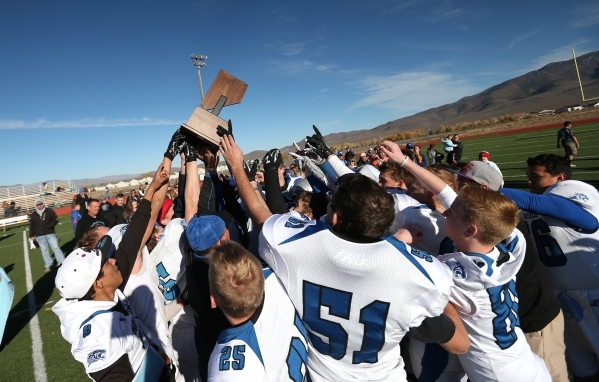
(199, 61)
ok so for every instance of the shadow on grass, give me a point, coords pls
(9, 268)
(6, 236)
(20, 315)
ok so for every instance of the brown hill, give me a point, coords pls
(553, 86)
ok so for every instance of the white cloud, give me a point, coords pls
(562, 53)
(43, 123)
(587, 15)
(411, 92)
(326, 67)
(293, 48)
(523, 37)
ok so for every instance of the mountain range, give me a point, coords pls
(553, 86)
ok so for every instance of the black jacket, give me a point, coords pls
(114, 216)
(42, 225)
(84, 224)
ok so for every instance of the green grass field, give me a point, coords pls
(510, 151)
(16, 362)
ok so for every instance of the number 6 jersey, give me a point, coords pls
(568, 253)
(357, 300)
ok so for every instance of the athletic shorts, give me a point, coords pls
(570, 148)
(581, 329)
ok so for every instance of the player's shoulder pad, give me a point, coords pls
(280, 229)
(427, 264)
(581, 193)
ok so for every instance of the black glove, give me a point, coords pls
(250, 168)
(174, 146)
(272, 159)
(318, 144)
(221, 131)
(191, 148)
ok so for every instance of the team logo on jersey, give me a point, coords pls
(124, 229)
(458, 270)
(96, 355)
(423, 255)
(579, 196)
(294, 223)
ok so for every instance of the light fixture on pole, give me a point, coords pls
(199, 61)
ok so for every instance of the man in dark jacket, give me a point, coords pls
(82, 199)
(88, 218)
(115, 215)
(458, 148)
(41, 228)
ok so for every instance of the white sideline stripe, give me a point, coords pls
(39, 365)
(535, 132)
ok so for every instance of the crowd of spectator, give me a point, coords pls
(382, 265)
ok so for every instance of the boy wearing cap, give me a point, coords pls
(96, 317)
(267, 340)
(41, 228)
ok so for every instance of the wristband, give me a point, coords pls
(403, 162)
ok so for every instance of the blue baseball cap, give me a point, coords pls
(410, 145)
(204, 231)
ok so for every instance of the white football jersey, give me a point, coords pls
(144, 295)
(273, 348)
(431, 362)
(432, 223)
(100, 336)
(357, 300)
(401, 202)
(485, 296)
(169, 258)
(569, 254)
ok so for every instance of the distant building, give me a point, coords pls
(545, 112)
(566, 109)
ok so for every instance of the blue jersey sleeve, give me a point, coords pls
(553, 206)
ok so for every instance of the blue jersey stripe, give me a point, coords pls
(401, 247)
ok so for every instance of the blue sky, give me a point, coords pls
(89, 89)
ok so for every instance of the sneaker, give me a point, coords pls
(572, 165)
(48, 270)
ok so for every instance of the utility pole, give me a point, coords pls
(199, 61)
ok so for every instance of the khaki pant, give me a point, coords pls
(548, 343)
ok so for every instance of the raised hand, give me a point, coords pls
(231, 152)
(318, 144)
(161, 176)
(174, 146)
(393, 151)
(251, 167)
(221, 131)
(272, 159)
(190, 149)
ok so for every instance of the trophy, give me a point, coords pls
(225, 90)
